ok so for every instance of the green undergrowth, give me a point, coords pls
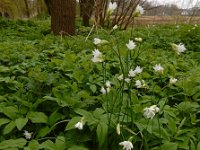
(49, 83)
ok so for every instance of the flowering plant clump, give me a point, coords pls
(83, 94)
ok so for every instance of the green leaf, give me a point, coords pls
(4, 121)
(20, 123)
(18, 143)
(49, 145)
(9, 127)
(37, 117)
(54, 117)
(198, 146)
(98, 113)
(169, 145)
(33, 145)
(93, 88)
(60, 143)
(72, 122)
(172, 126)
(102, 131)
(10, 111)
(77, 148)
(43, 132)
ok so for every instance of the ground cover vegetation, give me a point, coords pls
(114, 89)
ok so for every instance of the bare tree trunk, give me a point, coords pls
(63, 17)
(49, 5)
(27, 8)
(86, 8)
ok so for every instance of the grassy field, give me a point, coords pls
(154, 20)
(69, 93)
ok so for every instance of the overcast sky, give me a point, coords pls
(179, 3)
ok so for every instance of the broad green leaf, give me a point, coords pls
(9, 127)
(102, 131)
(33, 145)
(93, 88)
(10, 111)
(198, 146)
(172, 126)
(169, 146)
(4, 121)
(49, 145)
(43, 132)
(37, 117)
(98, 113)
(54, 117)
(4, 69)
(60, 143)
(72, 122)
(21, 122)
(77, 148)
(18, 143)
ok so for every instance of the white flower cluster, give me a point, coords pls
(180, 48)
(131, 45)
(140, 83)
(127, 145)
(133, 73)
(97, 56)
(107, 88)
(79, 125)
(150, 112)
(112, 7)
(158, 68)
(27, 135)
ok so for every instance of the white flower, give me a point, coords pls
(127, 80)
(151, 111)
(139, 10)
(173, 80)
(79, 125)
(131, 73)
(112, 7)
(115, 27)
(138, 39)
(158, 68)
(118, 129)
(138, 70)
(131, 45)
(121, 77)
(140, 84)
(127, 145)
(27, 134)
(108, 84)
(180, 48)
(97, 56)
(104, 91)
(97, 41)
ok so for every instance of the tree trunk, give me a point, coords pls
(86, 8)
(63, 17)
(49, 5)
(27, 8)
